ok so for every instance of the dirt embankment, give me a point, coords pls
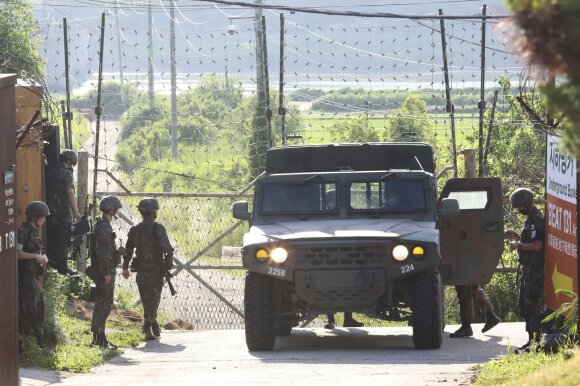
(83, 309)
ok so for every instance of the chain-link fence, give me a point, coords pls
(191, 96)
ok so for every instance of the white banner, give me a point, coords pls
(560, 171)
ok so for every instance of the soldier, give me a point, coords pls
(31, 264)
(530, 247)
(105, 259)
(154, 257)
(63, 207)
(466, 294)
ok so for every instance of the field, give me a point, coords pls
(317, 128)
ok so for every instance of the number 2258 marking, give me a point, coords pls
(276, 271)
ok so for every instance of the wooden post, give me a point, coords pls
(8, 234)
(82, 194)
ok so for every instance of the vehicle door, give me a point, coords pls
(471, 241)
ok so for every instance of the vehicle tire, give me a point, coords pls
(427, 310)
(260, 334)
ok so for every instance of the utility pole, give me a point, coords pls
(173, 81)
(150, 73)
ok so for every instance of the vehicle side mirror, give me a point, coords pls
(449, 207)
(240, 210)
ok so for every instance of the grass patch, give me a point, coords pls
(74, 353)
(530, 368)
(67, 330)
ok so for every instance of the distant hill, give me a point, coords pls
(319, 49)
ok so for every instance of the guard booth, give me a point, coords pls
(8, 226)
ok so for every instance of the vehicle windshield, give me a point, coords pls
(303, 197)
(393, 194)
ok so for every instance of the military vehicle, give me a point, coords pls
(361, 228)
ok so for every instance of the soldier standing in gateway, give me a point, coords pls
(467, 295)
(63, 208)
(530, 247)
(31, 264)
(154, 257)
(105, 259)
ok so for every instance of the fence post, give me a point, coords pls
(481, 104)
(449, 107)
(281, 108)
(469, 162)
(98, 112)
(489, 130)
(82, 202)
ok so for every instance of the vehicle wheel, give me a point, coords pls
(260, 334)
(284, 329)
(427, 310)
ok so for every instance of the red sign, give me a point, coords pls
(561, 247)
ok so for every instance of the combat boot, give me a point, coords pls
(349, 321)
(147, 331)
(109, 345)
(463, 332)
(527, 347)
(491, 320)
(156, 329)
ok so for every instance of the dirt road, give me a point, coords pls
(355, 356)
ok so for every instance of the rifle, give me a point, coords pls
(164, 269)
(168, 277)
(79, 230)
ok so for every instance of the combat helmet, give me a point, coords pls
(69, 155)
(36, 210)
(148, 205)
(110, 202)
(521, 197)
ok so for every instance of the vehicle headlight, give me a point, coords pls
(279, 255)
(400, 252)
(418, 252)
(262, 255)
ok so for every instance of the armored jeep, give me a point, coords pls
(360, 228)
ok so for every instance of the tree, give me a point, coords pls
(518, 147)
(411, 122)
(548, 33)
(19, 52)
(354, 130)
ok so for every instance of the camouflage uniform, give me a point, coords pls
(59, 180)
(531, 299)
(105, 260)
(30, 284)
(466, 295)
(150, 240)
